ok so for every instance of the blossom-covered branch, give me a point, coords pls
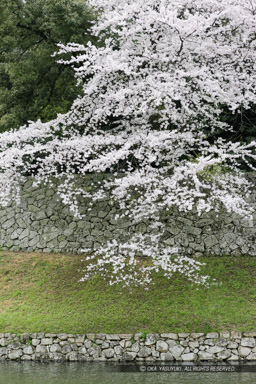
(151, 95)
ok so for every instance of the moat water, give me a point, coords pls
(102, 373)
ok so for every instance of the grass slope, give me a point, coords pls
(41, 292)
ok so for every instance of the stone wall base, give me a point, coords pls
(183, 347)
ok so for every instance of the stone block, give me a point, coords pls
(150, 339)
(172, 336)
(248, 342)
(189, 357)
(47, 341)
(162, 346)
(144, 352)
(28, 350)
(129, 356)
(176, 351)
(202, 355)
(15, 355)
(108, 353)
(212, 335)
(166, 356)
(112, 337)
(244, 351)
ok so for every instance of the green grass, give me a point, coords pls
(41, 292)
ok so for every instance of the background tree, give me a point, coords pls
(32, 84)
(166, 74)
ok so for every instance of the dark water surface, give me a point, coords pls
(101, 373)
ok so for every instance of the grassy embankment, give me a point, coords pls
(41, 292)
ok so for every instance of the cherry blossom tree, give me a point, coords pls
(151, 95)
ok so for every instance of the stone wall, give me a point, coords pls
(224, 346)
(42, 223)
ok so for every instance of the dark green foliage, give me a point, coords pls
(32, 84)
(243, 123)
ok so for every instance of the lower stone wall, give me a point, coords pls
(224, 346)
